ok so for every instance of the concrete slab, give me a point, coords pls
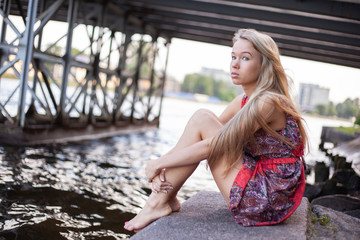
(206, 216)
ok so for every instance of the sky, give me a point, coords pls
(189, 56)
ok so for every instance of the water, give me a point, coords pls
(87, 190)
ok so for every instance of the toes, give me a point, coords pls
(128, 226)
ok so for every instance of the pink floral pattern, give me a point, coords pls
(270, 185)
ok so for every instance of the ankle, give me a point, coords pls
(157, 200)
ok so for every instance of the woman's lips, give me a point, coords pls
(234, 75)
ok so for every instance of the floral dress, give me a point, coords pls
(271, 183)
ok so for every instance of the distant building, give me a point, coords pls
(172, 85)
(217, 74)
(312, 95)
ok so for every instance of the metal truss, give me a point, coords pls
(116, 80)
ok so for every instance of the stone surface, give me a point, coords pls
(206, 216)
(338, 202)
(340, 226)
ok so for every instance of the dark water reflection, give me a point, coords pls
(74, 191)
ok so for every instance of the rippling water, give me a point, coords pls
(87, 190)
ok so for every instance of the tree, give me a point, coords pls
(357, 120)
(321, 109)
(197, 83)
(331, 110)
(349, 108)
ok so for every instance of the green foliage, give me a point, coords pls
(321, 109)
(357, 120)
(331, 110)
(197, 83)
(323, 219)
(350, 130)
(347, 109)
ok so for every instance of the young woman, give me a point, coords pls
(254, 148)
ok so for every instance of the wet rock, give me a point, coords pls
(312, 191)
(338, 202)
(338, 225)
(354, 183)
(343, 175)
(330, 187)
(321, 172)
(340, 163)
(354, 213)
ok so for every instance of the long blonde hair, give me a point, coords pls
(272, 85)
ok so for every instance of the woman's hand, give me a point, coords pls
(151, 170)
(159, 183)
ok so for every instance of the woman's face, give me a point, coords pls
(245, 64)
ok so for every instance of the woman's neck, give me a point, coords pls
(248, 91)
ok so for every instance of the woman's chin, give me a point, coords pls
(236, 82)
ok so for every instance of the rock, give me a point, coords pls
(312, 191)
(329, 188)
(343, 175)
(340, 163)
(354, 213)
(340, 226)
(354, 183)
(321, 172)
(206, 216)
(338, 202)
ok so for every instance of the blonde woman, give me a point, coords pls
(254, 148)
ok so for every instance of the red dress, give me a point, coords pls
(271, 183)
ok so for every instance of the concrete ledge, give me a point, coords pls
(206, 216)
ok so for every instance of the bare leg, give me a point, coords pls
(202, 125)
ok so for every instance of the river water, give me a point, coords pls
(88, 189)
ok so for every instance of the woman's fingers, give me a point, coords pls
(161, 186)
(162, 175)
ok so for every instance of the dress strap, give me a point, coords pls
(244, 100)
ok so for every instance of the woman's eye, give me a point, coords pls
(245, 58)
(233, 58)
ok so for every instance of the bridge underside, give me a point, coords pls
(320, 30)
(114, 82)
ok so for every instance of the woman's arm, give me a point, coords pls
(184, 157)
(231, 109)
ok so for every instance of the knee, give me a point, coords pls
(202, 116)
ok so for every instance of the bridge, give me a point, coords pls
(52, 92)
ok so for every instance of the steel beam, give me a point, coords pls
(136, 77)
(249, 11)
(27, 43)
(164, 77)
(72, 11)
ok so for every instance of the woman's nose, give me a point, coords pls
(235, 64)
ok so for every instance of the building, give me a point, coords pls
(312, 95)
(172, 85)
(217, 74)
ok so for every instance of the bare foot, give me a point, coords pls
(152, 211)
(174, 204)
